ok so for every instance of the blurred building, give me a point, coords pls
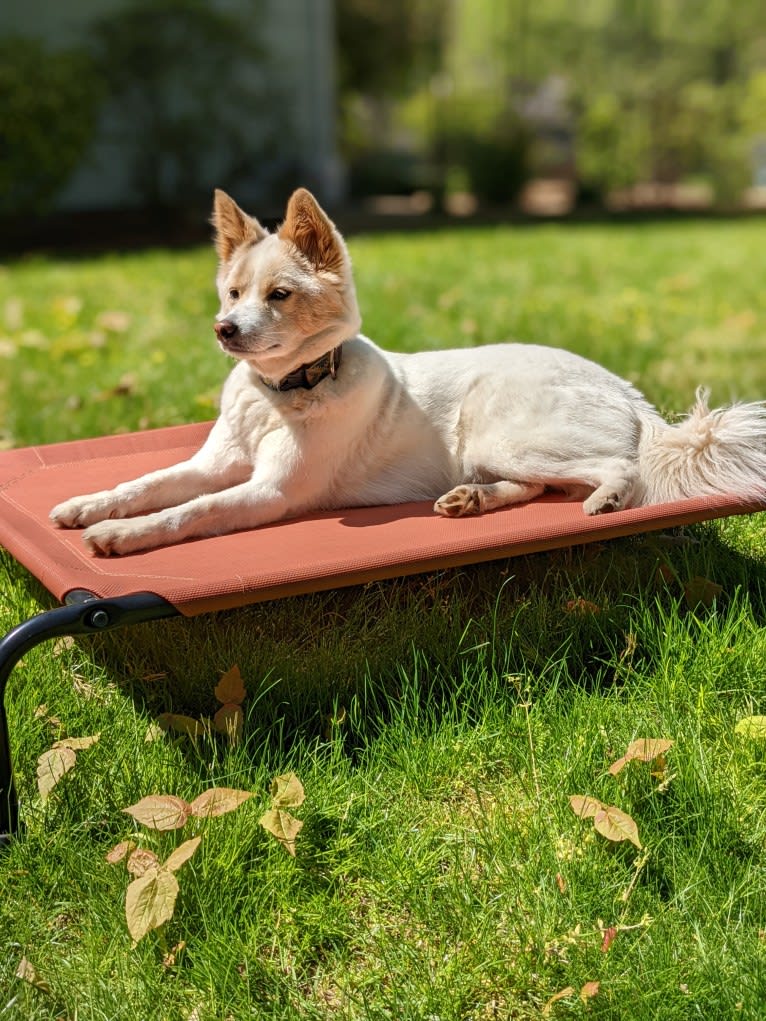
(257, 117)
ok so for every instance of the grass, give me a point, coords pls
(438, 724)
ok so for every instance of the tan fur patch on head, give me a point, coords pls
(312, 232)
(233, 227)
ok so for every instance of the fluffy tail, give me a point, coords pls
(709, 452)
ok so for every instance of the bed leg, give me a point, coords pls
(84, 614)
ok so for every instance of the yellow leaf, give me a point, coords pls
(142, 861)
(287, 791)
(751, 726)
(77, 744)
(154, 732)
(583, 806)
(119, 851)
(283, 826)
(231, 687)
(218, 801)
(561, 995)
(160, 811)
(51, 766)
(701, 591)
(182, 854)
(616, 825)
(150, 901)
(228, 720)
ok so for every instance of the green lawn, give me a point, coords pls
(438, 725)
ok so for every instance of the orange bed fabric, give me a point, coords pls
(323, 551)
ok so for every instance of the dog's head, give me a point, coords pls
(286, 298)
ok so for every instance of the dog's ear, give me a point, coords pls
(233, 227)
(312, 232)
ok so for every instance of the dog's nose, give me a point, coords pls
(226, 329)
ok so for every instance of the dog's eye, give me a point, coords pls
(279, 294)
(234, 294)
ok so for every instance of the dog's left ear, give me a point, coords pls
(312, 232)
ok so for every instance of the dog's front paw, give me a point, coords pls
(115, 538)
(459, 502)
(81, 511)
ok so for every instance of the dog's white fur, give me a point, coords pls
(474, 429)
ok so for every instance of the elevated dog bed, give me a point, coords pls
(327, 550)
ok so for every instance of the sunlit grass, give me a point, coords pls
(438, 724)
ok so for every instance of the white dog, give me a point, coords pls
(314, 416)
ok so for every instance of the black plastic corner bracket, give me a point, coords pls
(83, 614)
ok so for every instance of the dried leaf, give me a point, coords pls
(27, 972)
(287, 791)
(51, 766)
(169, 960)
(160, 811)
(150, 901)
(182, 854)
(77, 744)
(701, 592)
(61, 645)
(561, 995)
(283, 826)
(218, 801)
(583, 806)
(751, 726)
(231, 688)
(183, 724)
(609, 936)
(120, 851)
(616, 825)
(645, 749)
(589, 990)
(142, 861)
(581, 607)
(229, 720)
(561, 883)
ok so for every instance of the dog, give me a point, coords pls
(314, 416)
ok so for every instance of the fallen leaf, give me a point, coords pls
(77, 744)
(609, 936)
(561, 995)
(120, 851)
(231, 687)
(150, 902)
(701, 592)
(582, 607)
(616, 825)
(229, 720)
(27, 972)
(645, 749)
(169, 960)
(183, 724)
(751, 726)
(283, 826)
(583, 806)
(287, 791)
(61, 645)
(154, 732)
(141, 861)
(561, 883)
(113, 321)
(182, 854)
(589, 990)
(160, 811)
(218, 801)
(51, 766)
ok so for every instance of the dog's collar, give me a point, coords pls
(307, 376)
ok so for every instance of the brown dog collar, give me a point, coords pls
(307, 376)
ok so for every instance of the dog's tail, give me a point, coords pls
(709, 452)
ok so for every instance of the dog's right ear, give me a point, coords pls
(232, 226)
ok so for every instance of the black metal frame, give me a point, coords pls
(83, 614)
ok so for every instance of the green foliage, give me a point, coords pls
(49, 102)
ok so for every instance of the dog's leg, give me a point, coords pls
(612, 495)
(476, 499)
